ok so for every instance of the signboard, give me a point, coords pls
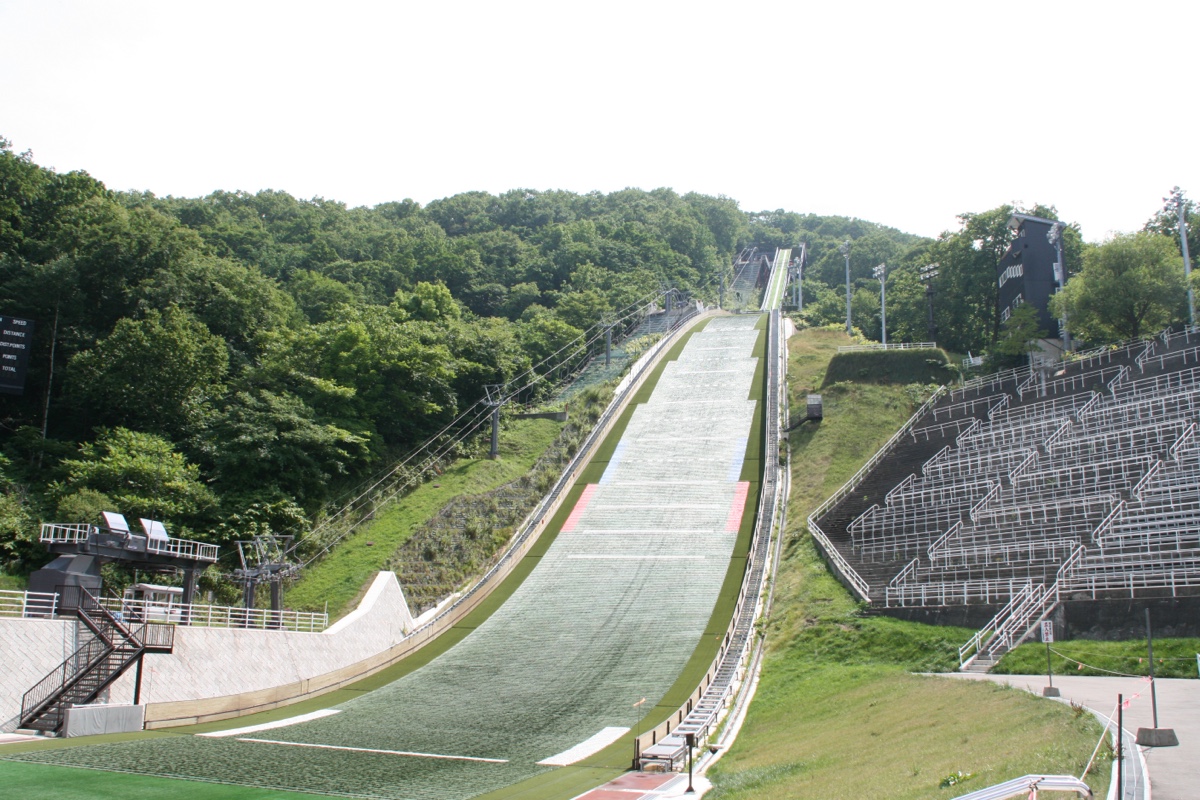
(1048, 632)
(16, 340)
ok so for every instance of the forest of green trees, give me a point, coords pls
(241, 361)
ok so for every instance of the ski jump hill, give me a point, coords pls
(620, 617)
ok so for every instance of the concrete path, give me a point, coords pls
(1174, 771)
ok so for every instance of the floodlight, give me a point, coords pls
(115, 522)
(155, 530)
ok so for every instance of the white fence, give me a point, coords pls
(861, 348)
(27, 604)
(45, 605)
(218, 616)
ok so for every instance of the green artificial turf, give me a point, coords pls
(365, 775)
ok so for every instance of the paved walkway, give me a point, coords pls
(1174, 771)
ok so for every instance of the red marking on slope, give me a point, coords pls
(580, 507)
(734, 520)
(633, 786)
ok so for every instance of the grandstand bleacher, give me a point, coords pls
(1027, 488)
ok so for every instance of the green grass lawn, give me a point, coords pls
(838, 712)
(1173, 658)
(13, 582)
(341, 577)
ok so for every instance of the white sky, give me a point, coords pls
(902, 113)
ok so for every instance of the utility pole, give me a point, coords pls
(1060, 275)
(928, 273)
(1177, 204)
(845, 251)
(880, 272)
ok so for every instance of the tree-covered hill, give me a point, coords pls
(239, 362)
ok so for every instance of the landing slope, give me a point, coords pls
(611, 614)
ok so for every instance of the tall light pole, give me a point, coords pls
(880, 272)
(927, 274)
(1060, 275)
(1176, 203)
(844, 249)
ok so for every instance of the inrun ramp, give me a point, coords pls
(611, 614)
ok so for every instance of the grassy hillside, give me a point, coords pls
(891, 366)
(838, 712)
(341, 576)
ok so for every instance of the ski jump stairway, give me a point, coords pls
(110, 648)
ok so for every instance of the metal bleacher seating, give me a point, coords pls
(1077, 481)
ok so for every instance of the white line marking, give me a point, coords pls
(266, 726)
(384, 752)
(602, 557)
(587, 747)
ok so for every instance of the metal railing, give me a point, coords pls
(28, 604)
(859, 348)
(201, 616)
(974, 645)
(77, 533)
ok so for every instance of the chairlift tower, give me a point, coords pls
(495, 398)
(265, 560)
(609, 323)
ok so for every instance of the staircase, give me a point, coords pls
(109, 650)
(1013, 625)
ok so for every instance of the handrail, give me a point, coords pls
(860, 586)
(904, 574)
(935, 457)
(1139, 489)
(1028, 461)
(82, 660)
(956, 425)
(987, 498)
(977, 640)
(968, 433)
(857, 521)
(900, 487)
(1188, 434)
(78, 533)
(1084, 409)
(1059, 432)
(1122, 374)
(940, 542)
(1107, 523)
(1000, 405)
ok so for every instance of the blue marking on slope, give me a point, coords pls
(739, 457)
(613, 462)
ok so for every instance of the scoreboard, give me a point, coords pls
(16, 340)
